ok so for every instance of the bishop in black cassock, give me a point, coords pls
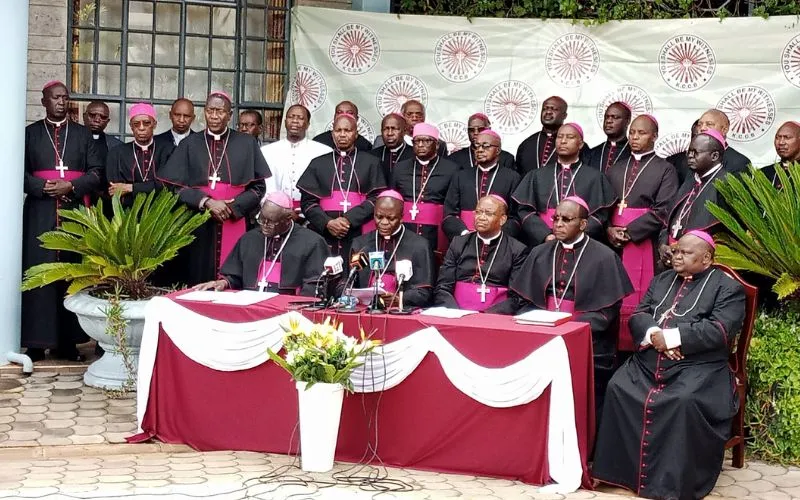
(394, 149)
(733, 161)
(478, 265)
(337, 190)
(539, 149)
(278, 256)
(615, 148)
(329, 139)
(576, 274)
(220, 170)
(62, 168)
(669, 408)
(397, 243)
(424, 182)
(541, 190)
(466, 157)
(469, 185)
(787, 146)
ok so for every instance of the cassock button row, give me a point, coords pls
(565, 261)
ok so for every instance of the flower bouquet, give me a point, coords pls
(320, 358)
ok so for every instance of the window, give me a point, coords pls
(126, 51)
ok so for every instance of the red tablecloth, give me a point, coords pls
(423, 423)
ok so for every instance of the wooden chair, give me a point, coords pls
(738, 363)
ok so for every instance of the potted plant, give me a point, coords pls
(109, 288)
(763, 239)
(320, 358)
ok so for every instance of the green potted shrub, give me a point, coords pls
(109, 288)
(763, 238)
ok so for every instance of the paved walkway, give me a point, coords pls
(60, 439)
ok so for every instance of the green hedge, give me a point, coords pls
(773, 399)
(600, 11)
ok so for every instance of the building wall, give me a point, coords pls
(47, 45)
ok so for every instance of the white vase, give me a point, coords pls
(109, 371)
(320, 411)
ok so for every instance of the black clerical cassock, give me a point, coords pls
(402, 245)
(476, 272)
(665, 422)
(732, 161)
(689, 208)
(424, 185)
(539, 150)
(389, 159)
(606, 154)
(540, 192)
(137, 165)
(341, 185)
(465, 158)
(65, 152)
(224, 167)
(288, 263)
(470, 185)
(585, 278)
(645, 186)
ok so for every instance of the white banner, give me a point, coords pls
(674, 69)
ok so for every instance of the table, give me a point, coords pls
(241, 401)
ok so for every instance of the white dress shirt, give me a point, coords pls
(287, 161)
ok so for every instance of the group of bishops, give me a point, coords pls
(558, 226)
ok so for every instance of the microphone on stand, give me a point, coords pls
(332, 268)
(376, 264)
(357, 262)
(404, 270)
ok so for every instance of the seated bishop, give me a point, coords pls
(397, 243)
(479, 264)
(577, 274)
(277, 256)
(669, 408)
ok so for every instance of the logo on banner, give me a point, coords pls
(751, 111)
(365, 128)
(308, 88)
(790, 61)
(511, 105)
(398, 89)
(572, 60)
(454, 134)
(686, 62)
(354, 49)
(672, 144)
(633, 96)
(460, 56)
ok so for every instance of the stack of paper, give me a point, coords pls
(240, 298)
(444, 312)
(543, 318)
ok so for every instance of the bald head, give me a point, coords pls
(554, 112)
(96, 116)
(492, 203)
(346, 107)
(716, 119)
(390, 204)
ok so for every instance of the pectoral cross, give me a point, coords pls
(483, 291)
(214, 179)
(676, 228)
(664, 316)
(414, 211)
(263, 285)
(345, 204)
(61, 168)
(621, 207)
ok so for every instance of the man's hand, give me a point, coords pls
(219, 209)
(665, 253)
(119, 187)
(217, 285)
(550, 237)
(338, 227)
(57, 188)
(657, 339)
(674, 354)
(616, 236)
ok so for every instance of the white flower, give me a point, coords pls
(290, 357)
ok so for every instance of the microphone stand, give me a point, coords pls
(349, 306)
(375, 307)
(323, 301)
(400, 310)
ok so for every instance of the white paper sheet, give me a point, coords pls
(243, 297)
(198, 296)
(444, 312)
(364, 295)
(541, 317)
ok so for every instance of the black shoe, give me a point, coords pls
(35, 353)
(69, 354)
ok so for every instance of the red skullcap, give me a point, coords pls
(492, 133)
(498, 198)
(703, 236)
(479, 115)
(221, 93)
(577, 128)
(279, 198)
(142, 108)
(578, 200)
(716, 134)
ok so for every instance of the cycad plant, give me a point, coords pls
(763, 226)
(118, 253)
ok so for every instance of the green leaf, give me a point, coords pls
(786, 285)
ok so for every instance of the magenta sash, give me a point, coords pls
(69, 176)
(567, 306)
(389, 282)
(430, 214)
(232, 230)
(638, 261)
(332, 204)
(547, 217)
(274, 277)
(295, 204)
(468, 218)
(468, 297)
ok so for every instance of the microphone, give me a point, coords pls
(376, 261)
(358, 261)
(333, 266)
(404, 270)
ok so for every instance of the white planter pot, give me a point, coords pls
(109, 371)
(320, 411)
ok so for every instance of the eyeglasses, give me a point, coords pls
(421, 140)
(479, 213)
(565, 220)
(486, 146)
(476, 129)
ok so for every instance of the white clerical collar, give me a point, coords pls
(699, 178)
(486, 169)
(487, 241)
(95, 136)
(144, 147)
(217, 137)
(570, 246)
(56, 124)
(567, 165)
(297, 143)
(399, 228)
(180, 136)
(422, 162)
(395, 150)
(639, 156)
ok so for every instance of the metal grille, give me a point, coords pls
(126, 51)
